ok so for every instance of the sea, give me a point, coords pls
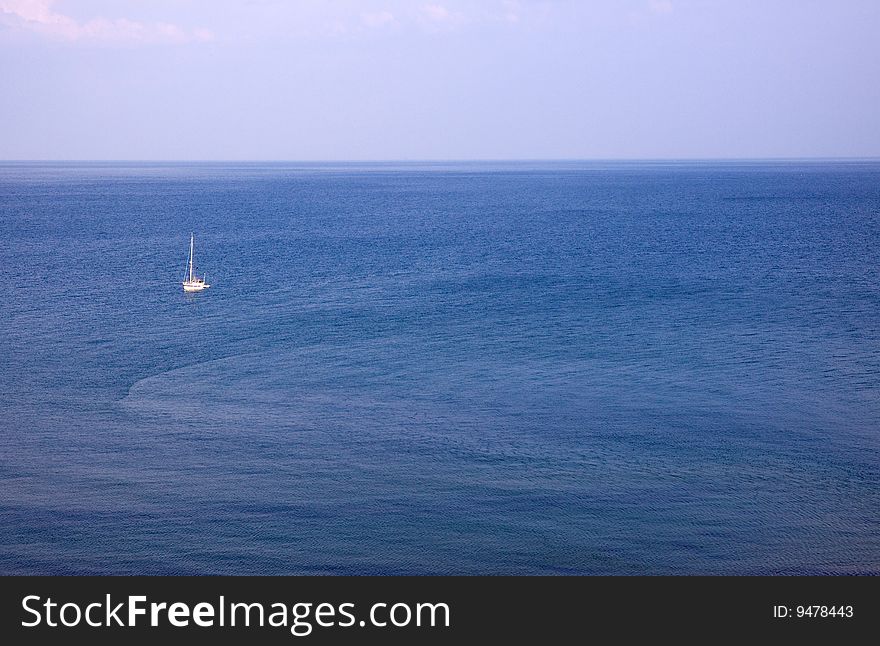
(425, 368)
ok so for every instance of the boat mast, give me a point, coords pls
(191, 239)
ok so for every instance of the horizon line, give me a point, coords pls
(413, 160)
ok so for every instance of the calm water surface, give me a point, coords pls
(576, 368)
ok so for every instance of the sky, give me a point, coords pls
(438, 79)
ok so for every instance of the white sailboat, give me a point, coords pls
(192, 283)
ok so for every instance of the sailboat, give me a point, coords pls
(192, 283)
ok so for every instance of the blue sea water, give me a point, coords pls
(574, 368)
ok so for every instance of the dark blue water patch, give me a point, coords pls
(441, 368)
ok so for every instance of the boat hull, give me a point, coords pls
(194, 287)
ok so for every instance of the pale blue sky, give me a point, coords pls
(438, 79)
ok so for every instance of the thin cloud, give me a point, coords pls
(511, 10)
(437, 13)
(40, 17)
(378, 19)
(660, 6)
